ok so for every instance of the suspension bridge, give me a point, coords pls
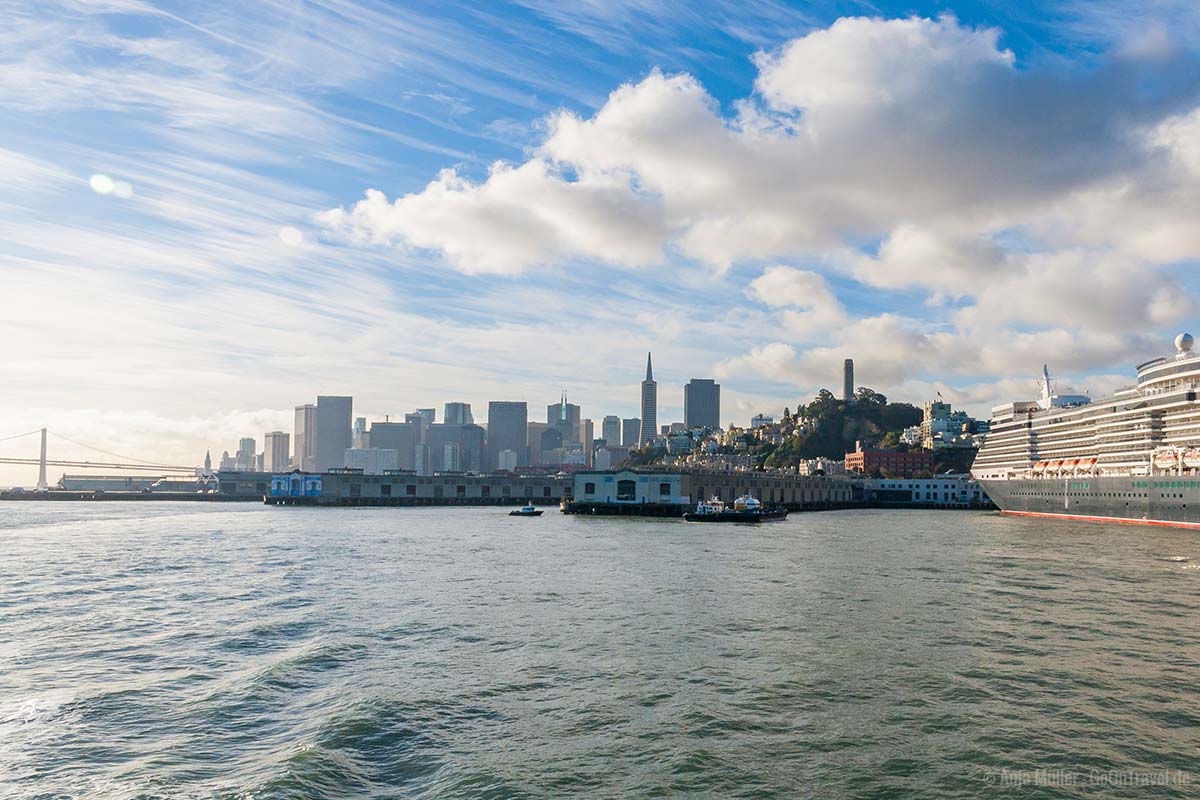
(122, 462)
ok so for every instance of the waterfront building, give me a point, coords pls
(403, 437)
(372, 460)
(333, 433)
(759, 420)
(890, 463)
(457, 414)
(631, 429)
(610, 429)
(702, 404)
(507, 429)
(246, 453)
(649, 406)
(304, 438)
(277, 451)
(352, 487)
(679, 490)
(848, 380)
(953, 490)
(564, 417)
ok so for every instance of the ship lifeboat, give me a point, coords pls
(1068, 466)
(1052, 467)
(1086, 466)
(1039, 468)
(1191, 459)
(1166, 459)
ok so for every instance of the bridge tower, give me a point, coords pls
(42, 484)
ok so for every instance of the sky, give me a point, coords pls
(212, 212)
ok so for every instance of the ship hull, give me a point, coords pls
(1149, 500)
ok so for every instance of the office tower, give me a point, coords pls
(457, 414)
(564, 417)
(610, 429)
(631, 429)
(304, 438)
(334, 413)
(702, 404)
(507, 461)
(276, 451)
(372, 460)
(551, 446)
(649, 406)
(429, 414)
(420, 423)
(507, 429)
(360, 437)
(468, 453)
(246, 454)
(533, 441)
(403, 437)
(587, 434)
(848, 380)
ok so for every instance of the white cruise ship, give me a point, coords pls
(1132, 457)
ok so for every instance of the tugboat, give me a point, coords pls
(527, 510)
(745, 509)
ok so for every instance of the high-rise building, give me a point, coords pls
(702, 404)
(564, 417)
(246, 453)
(649, 406)
(430, 415)
(334, 414)
(403, 437)
(507, 461)
(551, 446)
(631, 429)
(533, 441)
(457, 414)
(507, 429)
(277, 451)
(610, 429)
(848, 380)
(587, 433)
(304, 438)
(360, 436)
(469, 451)
(371, 460)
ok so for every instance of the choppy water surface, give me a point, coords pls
(237, 651)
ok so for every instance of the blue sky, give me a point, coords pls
(950, 193)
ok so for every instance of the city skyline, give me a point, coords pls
(214, 211)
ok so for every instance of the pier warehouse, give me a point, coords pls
(671, 492)
(395, 488)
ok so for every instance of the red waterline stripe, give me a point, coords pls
(1122, 520)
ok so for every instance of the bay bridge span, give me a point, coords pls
(121, 463)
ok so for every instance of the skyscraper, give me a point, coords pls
(630, 430)
(507, 429)
(587, 433)
(564, 417)
(457, 414)
(403, 437)
(334, 414)
(702, 404)
(649, 406)
(246, 454)
(848, 380)
(304, 435)
(276, 451)
(610, 430)
(360, 437)
(533, 441)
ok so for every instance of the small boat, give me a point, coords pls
(745, 509)
(527, 510)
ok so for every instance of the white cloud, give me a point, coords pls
(519, 217)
